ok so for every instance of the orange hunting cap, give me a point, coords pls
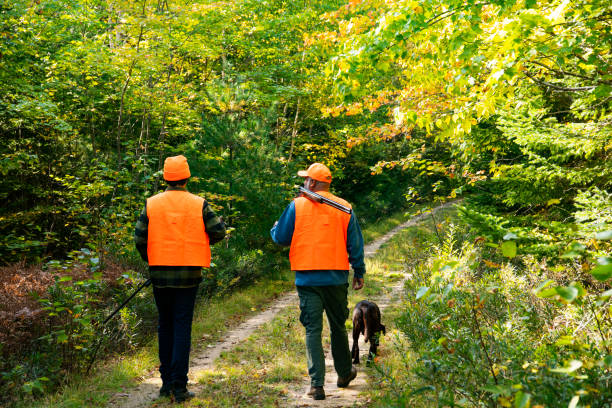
(317, 171)
(176, 168)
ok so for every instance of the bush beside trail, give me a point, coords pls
(483, 325)
(49, 319)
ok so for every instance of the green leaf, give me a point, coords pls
(568, 293)
(543, 285)
(421, 292)
(608, 360)
(570, 368)
(581, 290)
(604, 235)
(543, 291)
(383, 66)
(552, 202)
(564, 341)
(504, 390)
(604, 260)
(577, 246)
(509, 249)
(522, 400)
(65, 279)
(602, 91)
(602, 272)
(547, 293)
(576, 250)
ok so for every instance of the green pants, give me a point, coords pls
(332, 299)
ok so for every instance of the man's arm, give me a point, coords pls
(215, 227)
(354, 247)
(282, 231)
(141, 234)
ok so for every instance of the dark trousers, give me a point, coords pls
(333, 300)
(175, 307)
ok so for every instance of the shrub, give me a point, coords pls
(61, 304)
(481, 331)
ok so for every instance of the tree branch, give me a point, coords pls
(484, 348)
(559, 87)
(561, 72)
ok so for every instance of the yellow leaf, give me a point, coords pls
(552, 201)
(343, 65)
(504, 402)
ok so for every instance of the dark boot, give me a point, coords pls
(165, 390)
(317, 393)
(345, 381)
(181, 394)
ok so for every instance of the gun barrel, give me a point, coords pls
(324, 200)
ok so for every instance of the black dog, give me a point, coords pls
(366, 321)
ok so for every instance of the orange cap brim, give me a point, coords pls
(302, 173)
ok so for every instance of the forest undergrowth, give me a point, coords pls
(482, 326)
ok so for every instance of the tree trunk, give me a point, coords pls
(162, 136)
(294, 130)
(123, 91)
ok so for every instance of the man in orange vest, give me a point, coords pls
(174, 234)
(323, 241)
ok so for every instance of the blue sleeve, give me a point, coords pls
(354, 246)
(282, 231)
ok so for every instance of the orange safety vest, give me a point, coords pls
(177, 236)
(319, 237)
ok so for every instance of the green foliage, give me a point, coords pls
(478, 334)
(94, 96)
(513, 90)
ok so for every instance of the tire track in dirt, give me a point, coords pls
(147, 391)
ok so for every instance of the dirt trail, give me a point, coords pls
(148, 390)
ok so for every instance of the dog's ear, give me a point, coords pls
(382, 327)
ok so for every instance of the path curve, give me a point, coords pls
(148, 390)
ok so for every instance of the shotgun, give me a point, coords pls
(125, 302)
(311, 195)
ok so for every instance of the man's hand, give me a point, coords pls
(357, 283)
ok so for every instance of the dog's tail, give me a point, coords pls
(366, 325)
